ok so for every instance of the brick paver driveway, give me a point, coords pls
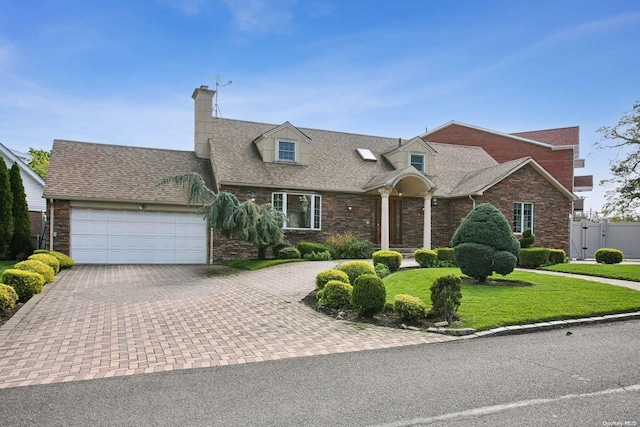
(104, 321)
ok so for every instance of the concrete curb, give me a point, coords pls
(535, 327)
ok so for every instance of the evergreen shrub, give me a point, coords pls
(609, 256)
(533, 257)
(26, 283)
(50, 260)
(37, 267)
(354, 269)
(289, 252)
(368, 295)
(391, 259)
(445, 297)
(8, 297)
(325, 276)
(335, 294)
(557, 256)
(408, 307)
(425, 257)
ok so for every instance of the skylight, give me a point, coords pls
(366, 154)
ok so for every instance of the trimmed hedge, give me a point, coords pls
(37, 267)
(391, 259)
(8, 297)
(425, 257)
(50, 260)
(290, 252)
(64, 260)
(318, 256)
(354, 269)
(557, 256)
(325, 276)
(533, 257)
(309, 247)
(369, 295)
(408, 307)
(609, 256)
(446, 254)
(335, 294)
(26, 283)
(41, 251)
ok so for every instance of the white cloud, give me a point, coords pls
(261, 16)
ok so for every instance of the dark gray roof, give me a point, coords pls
(89, 171)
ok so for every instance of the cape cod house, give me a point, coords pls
(105, 206)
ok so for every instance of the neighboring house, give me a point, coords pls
(33, 187)
(397, 193)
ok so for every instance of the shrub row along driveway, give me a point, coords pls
(104, 321)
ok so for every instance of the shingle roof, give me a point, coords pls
(476, 181)
(334, 165)
(557, 137)
(89, 171)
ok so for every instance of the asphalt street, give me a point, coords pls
(588, 378)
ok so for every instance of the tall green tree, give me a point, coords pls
(39, 162)
(625, 136)
(20, 246)
(260, 225)
(6, 207)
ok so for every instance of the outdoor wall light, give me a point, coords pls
(434, 202)
(142, 206)
(349, 205)
(252, 196)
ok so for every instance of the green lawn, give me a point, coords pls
(550, 297)
(612, 271)
(5, 265)
(253, 264)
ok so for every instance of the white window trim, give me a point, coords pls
(295, 148)
(424, 161)
(522, 216)
(312, 208)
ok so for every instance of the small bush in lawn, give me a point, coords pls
(50, 260)
(275, 249)
(37, 267)
(8, 297)
(354, 269)
(348, 246)
(382, 270)
(290, 252)
(391, 259)
(609, 256)
(527, 239)
(308, 247)
(368, 295)
(425, 257)
(318, 256)
(446, 255)
(557, 256)
(445, 297)
(408, 307)
(335, 294)
(533, 257)
(325, 276)
(64, 260)
(26, 283)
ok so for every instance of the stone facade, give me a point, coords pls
(35, 219)
(61, 225)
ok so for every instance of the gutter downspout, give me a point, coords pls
(210, 245)
(474, 202)
(51, 226)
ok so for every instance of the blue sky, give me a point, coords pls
(122, 72)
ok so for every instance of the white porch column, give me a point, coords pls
(426, 235)
(384, 226)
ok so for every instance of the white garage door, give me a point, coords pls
(137, 237)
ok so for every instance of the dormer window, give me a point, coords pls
(286, 151)
(417, 161)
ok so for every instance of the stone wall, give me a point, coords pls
(61, 223)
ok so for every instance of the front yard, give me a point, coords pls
(547, 298)
(612, 271)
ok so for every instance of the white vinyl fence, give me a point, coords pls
(587, 237)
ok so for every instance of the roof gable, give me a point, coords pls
(286, 125)
(13, 158)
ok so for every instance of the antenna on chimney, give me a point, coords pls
(216, 108)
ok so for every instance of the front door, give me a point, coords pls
(395, 220)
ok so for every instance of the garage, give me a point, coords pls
(103, 236)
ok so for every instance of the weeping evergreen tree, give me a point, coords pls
(20, 246)
(6, 207)
(260, 225)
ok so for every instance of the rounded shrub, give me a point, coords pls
(354, 269)
(368, 295)
(25, 283)
(527, 239)
(557, 256)
(37, 267)
(8, 297)
(382, 270)
(41, 251)
(446, 296)
(609, 256)
(533, 257)
(408, 307)
(335, 294)
(64, 260)
(50, 260)
(290, 252)
(309, 247)
(425, 257)
(484, 232)
(391, 259)
(325, 276)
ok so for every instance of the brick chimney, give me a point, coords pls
(203, 131)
